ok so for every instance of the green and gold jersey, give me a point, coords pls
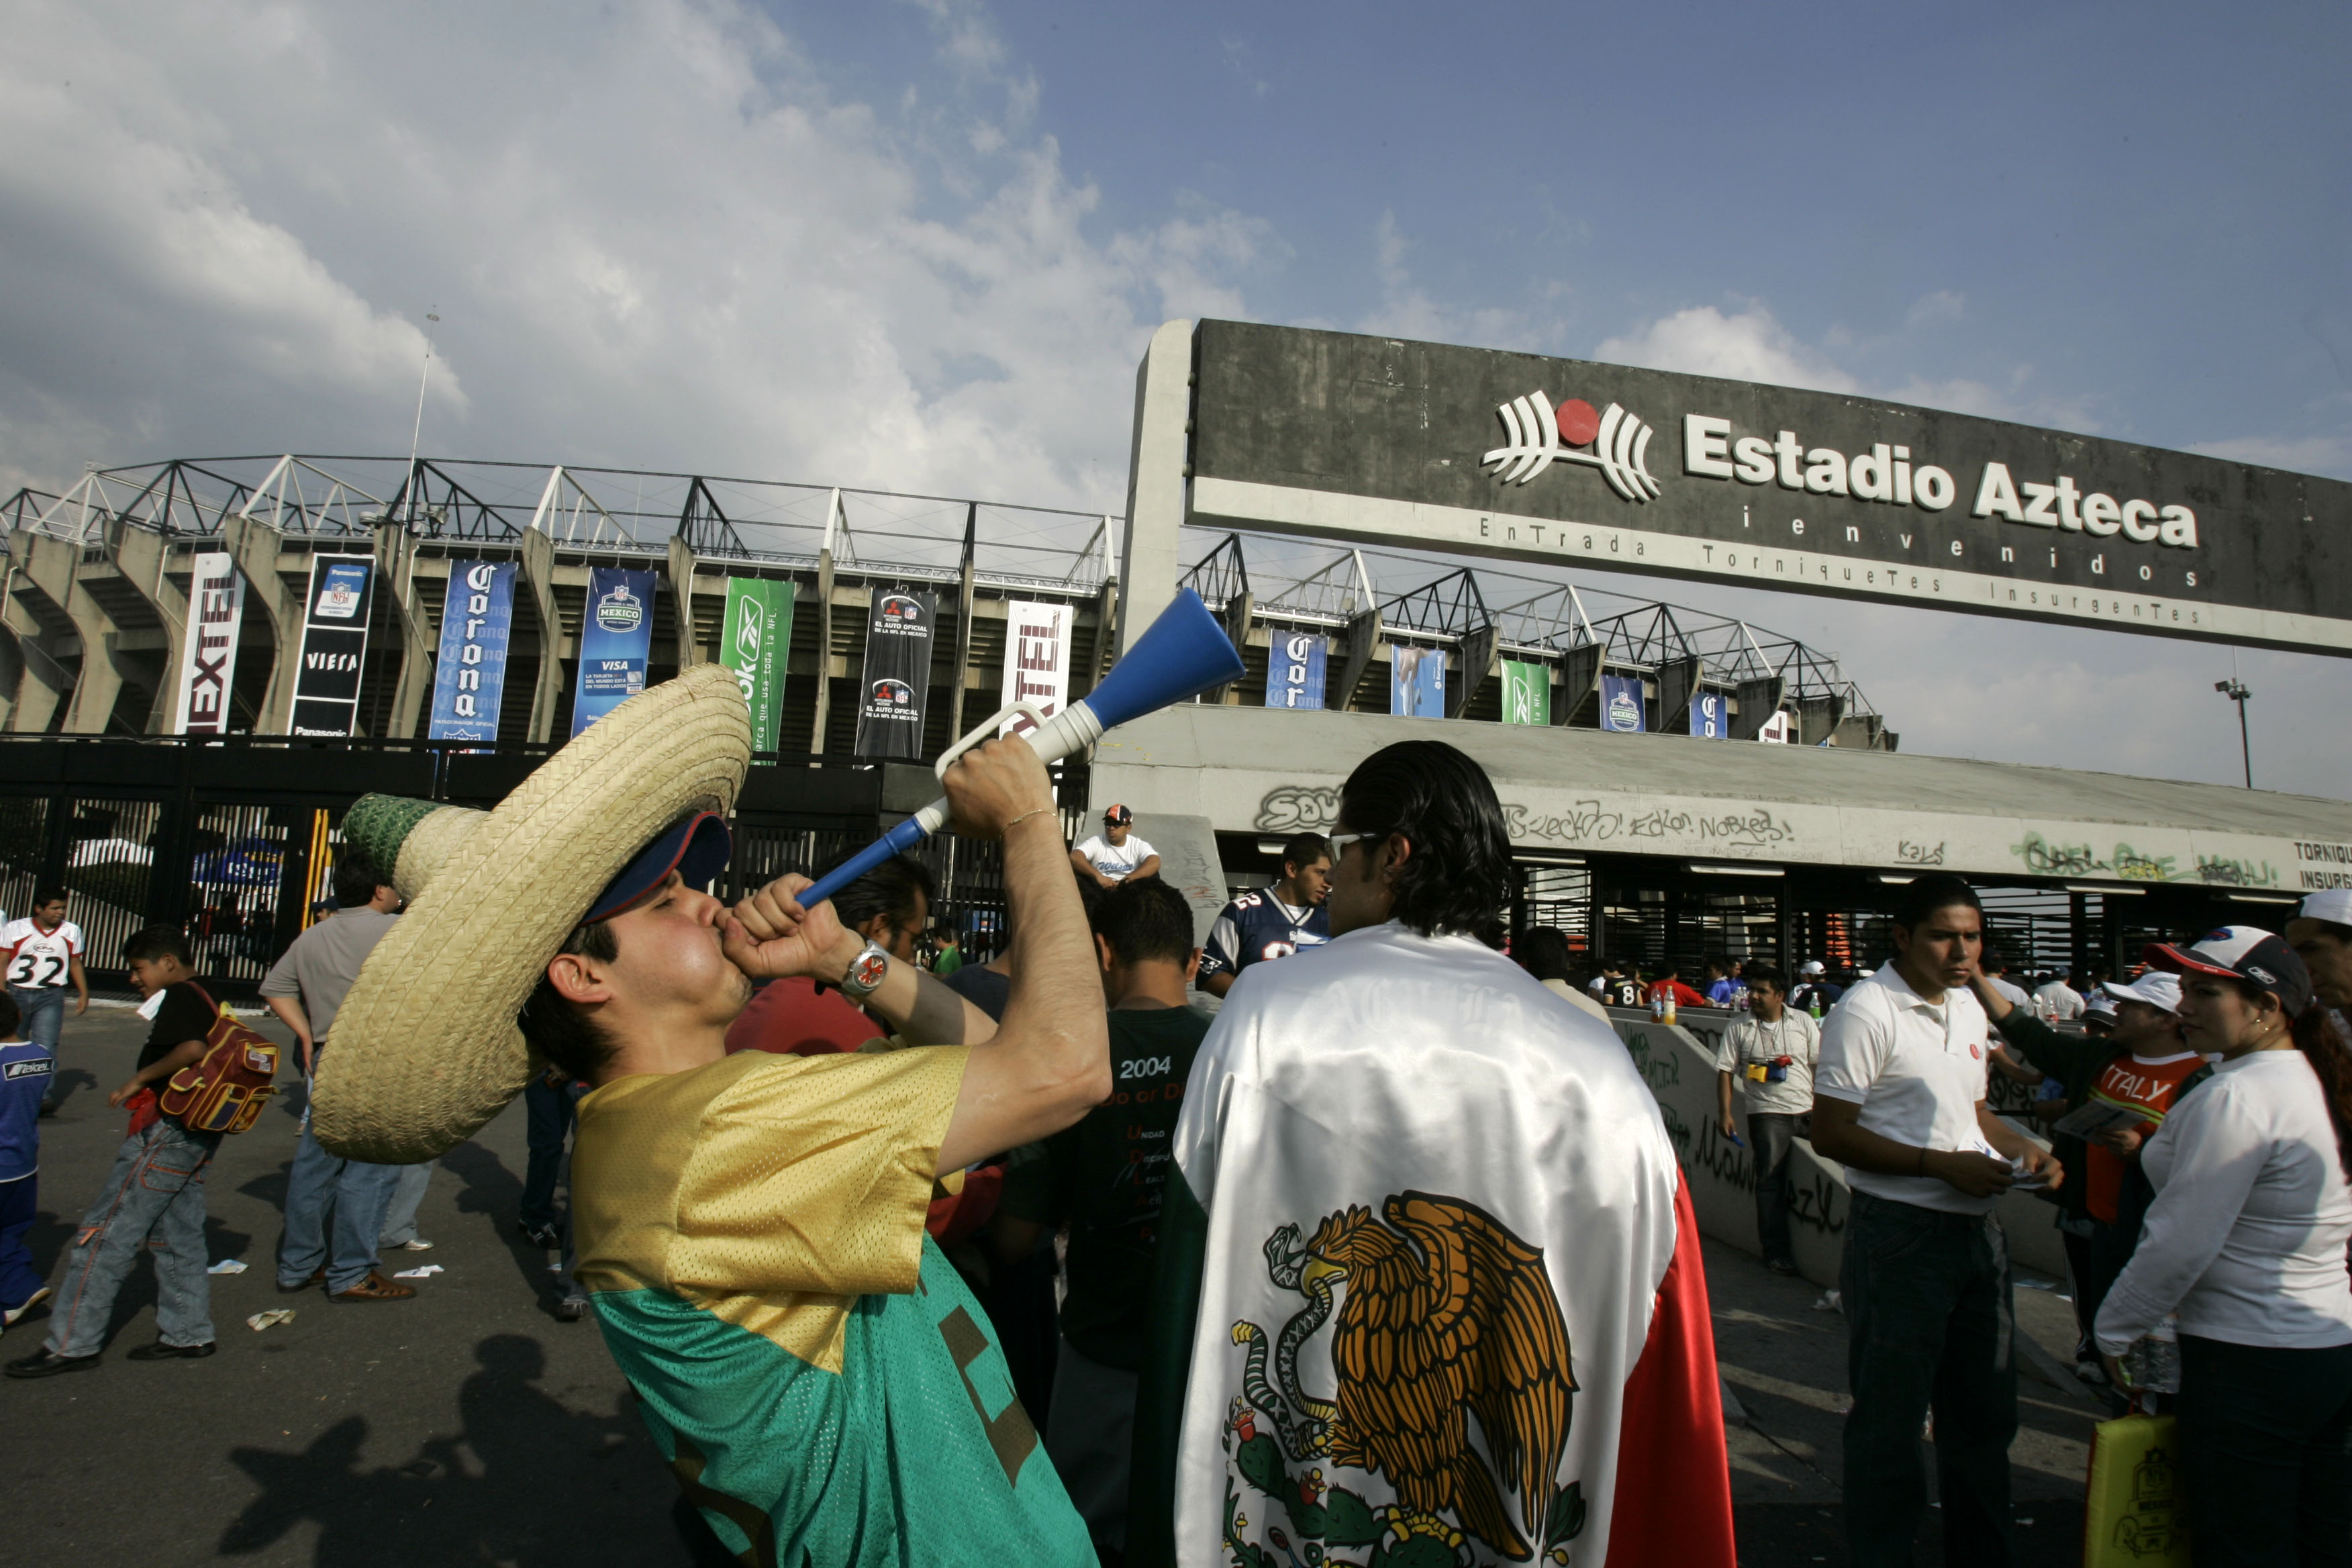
(828, 1392)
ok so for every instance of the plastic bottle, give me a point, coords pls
(2153, 1364)
(1668, 1015)
(1814, 1006)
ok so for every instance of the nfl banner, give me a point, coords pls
(1710, 715)
(754, 637)
(616, 638)
(1372, 1330)
(1293, 670)
(208, 659)
(1526, 692)
(1621, 704)
(334, 646)
(470, 681)
(1417, 682)
(1036, 660)
(892, 691)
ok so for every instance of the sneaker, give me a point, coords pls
(162, 1351)
(414, 1243)
(317, 1278)
(8, 1318)
(542, 1235)
(374, 1288)
(2091, 1372)
(44, 1363)
(572, 1309)
(1781, 1265)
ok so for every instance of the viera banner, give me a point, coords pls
(1526, 692)
(616, 636)
(1036, 660)
(1710, 715)
(897, 675)
(334, 646)
(1293, 670)
(754, 639)
(1417, 682)
(208, 658)
(1621, 703)
(469, 682)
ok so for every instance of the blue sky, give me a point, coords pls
(919, 245)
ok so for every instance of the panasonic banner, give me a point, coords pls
(1416, 682)
(896, 676)
(208, 656)
(1036, 660)
(469, 680)
(1621, 704)
(1294, 670)
(334, 646)
(617, 637)
(754, 637)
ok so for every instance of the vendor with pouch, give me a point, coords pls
(1769, 1050)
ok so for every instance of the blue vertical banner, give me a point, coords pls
(616, 636)
(334, 647)
(1416, 682)
(469, 680)
(1293, 670)
(1710, 715)
(1621, 703)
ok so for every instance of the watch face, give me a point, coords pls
(867, 971)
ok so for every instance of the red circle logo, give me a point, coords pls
(1578, 424)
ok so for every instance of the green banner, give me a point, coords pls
(1526, 692)
(753, 641)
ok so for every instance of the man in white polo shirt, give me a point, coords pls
(1900, 1099)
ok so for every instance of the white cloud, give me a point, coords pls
(2329, 455)
(1747, 346)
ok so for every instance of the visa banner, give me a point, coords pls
(1526, 692)
(1294, 670)
(754, 637)
(1621, 704)
(334, 646)
(1416, 682)
(617, 637)
(469, 679)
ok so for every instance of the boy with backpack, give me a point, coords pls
(26, 1067)
(155, 1198)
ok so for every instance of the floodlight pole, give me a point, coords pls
(2236, 691)
(416, 432)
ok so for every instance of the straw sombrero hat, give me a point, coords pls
(424, 1050)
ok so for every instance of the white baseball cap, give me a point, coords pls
(2159, 988)
(1810, 966)
(2335, 906)
(2101, 1008)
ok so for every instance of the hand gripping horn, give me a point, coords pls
(1182, 654)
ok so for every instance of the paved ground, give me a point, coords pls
(470, 1427)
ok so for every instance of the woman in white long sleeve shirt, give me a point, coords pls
(2247, 1243)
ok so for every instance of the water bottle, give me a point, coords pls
(1668, 1015)
(2153, 1365)
(1814, 1006)
(1657, 1007)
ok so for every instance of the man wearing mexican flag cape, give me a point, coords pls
(1428, 1291)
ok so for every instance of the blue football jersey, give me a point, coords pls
(1258, 926)
(26, 1071)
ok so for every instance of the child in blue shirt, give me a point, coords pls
(25, 1069)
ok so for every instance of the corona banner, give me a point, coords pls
(1294, 670)
(469, 680)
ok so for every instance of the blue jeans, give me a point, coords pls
(322, 1190)
(1929, 1325)
(549, 1113)
(2266, 1445)
(400, 1214)
(155, 1198)
(43, 1008)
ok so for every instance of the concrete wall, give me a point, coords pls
(1677, 1061)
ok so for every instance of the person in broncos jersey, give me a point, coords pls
(1274, 922)
(40, 956)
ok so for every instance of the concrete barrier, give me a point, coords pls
(1677, 1061)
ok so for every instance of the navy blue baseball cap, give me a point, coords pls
(695, 847)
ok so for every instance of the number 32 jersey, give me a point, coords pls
(1258, 926)
(37, 958)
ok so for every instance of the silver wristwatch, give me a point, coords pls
(866, 973)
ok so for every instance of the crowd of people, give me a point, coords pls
(854, 1193)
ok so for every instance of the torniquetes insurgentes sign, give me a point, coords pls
(1484, 452)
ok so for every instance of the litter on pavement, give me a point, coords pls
(261, 1320)
(228, 1265)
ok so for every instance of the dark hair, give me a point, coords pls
(1459, 875)
(1764, 975)
(559, 1029)
(2330, 1056)
(2335, 929)
(889, 889)
(151, 942)
(47, 896)
(1928, 894)
(10, 1015)
(1542, 952)
(357, 877)
(1144, 919)
(1303, 849)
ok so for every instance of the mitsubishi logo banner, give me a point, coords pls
(469, 679)
(1477, 451)
(334, 646)
(897, 675)
(209, 656)
(616, 638)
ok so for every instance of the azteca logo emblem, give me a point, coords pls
(1536, 436)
